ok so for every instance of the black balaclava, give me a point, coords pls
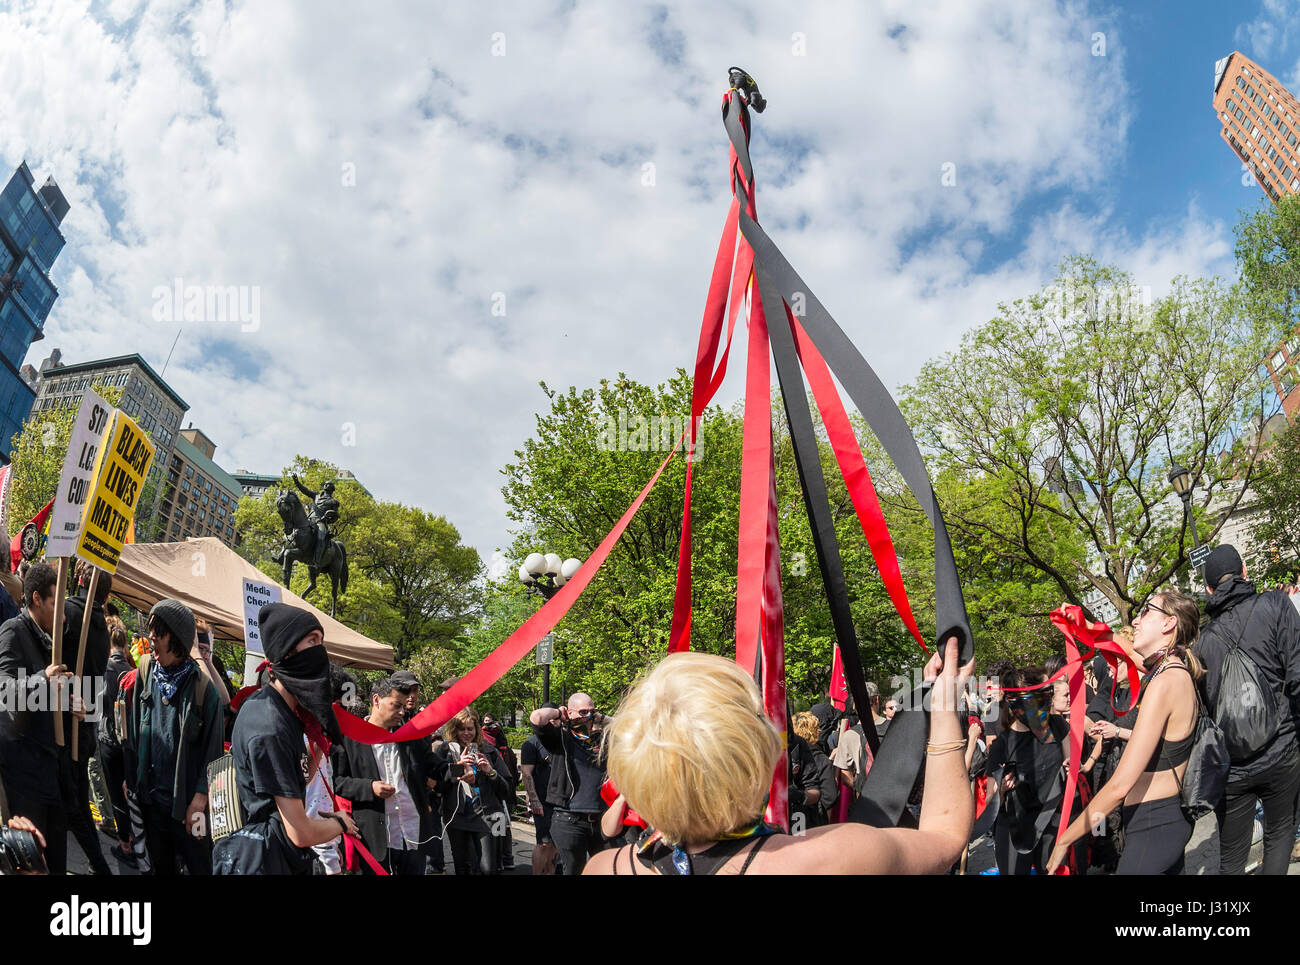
(305, 674)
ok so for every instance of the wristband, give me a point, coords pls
(342, 823)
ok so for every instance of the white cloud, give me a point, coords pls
(215, 144)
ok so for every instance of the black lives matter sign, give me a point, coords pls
(119, 477)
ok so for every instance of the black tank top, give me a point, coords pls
(1170, 754)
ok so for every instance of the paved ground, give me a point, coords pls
(1202, 855)
(521, 832)
(1202, 852)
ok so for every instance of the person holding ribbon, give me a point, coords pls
(1029, 762)
(270, 756)
(693, 753)
(1148, 780)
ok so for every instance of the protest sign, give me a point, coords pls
(119, 477)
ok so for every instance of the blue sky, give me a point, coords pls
(384, 182)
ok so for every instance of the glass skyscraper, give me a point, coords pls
(30, 240)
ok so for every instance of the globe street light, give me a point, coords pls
(1182, 482)
(543, 574)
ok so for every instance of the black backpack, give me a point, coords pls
(1246, 709)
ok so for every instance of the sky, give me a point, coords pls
(426, 209)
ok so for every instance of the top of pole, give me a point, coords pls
(745, 85)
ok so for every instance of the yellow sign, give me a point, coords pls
(119, 477)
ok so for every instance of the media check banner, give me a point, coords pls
(119, 478)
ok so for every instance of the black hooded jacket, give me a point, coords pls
(1269, 632)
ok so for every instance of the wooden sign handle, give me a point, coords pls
(56, 657)
(81, 647)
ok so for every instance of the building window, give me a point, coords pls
(1278, 361)
(189, 471)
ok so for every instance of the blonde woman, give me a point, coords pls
(693, 753)
(473, 801)
(1149, 778)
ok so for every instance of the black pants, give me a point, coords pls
(473, 852)
(1276, 790)
(398, 863)
(168, 841)
(52, 820)
(80, 823)
(576, 837)
(1155, 838)
(431, 833)
(110, 758)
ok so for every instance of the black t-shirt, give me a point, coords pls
(269, 752)
(540, 758)
(1037, 763)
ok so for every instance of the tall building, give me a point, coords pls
(30, 240)
(199, 497)
(145, 396)
(1258, 118)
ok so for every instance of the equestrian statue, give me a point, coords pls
(309, 539)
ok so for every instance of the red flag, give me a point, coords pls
(839, 691)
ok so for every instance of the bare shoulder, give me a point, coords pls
(836, 849)
(602, 862)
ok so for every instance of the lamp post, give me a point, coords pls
(1181, 480)
(544, 574)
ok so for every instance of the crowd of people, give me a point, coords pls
(202, 779)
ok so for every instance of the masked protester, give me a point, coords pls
(173, 729)
(1029, 762)
(270, 755)
(572, 734)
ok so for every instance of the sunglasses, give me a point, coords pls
(1147, 607)
(587, 712)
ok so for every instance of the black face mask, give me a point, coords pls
(306, 675)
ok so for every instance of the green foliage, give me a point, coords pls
(568, 486)
(412, 584)
(1064, 411)
(1276, 534)
(1268, 257)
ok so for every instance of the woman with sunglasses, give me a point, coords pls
(1029, 763)
(1148, 780)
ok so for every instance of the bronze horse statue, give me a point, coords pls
(300, 547)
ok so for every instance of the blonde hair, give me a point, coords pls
(466, 716)
(806, 726)
(690, 748)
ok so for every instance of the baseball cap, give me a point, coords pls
(404, 680)
(1224, 560)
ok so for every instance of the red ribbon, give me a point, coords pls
(857, 480)
(1083, 640)
(517, 646)
(707, 380)
(838, 692)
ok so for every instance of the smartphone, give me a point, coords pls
(471, 750)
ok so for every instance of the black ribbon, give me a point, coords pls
(892, 776)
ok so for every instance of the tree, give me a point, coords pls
(1275, 537)
(411, 583)
(1068, 408)
(570, 483)
(1268, 258)
(429, 579)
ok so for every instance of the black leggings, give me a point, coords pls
(1155, 836)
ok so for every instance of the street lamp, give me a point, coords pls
(543, 574)
(1181, 480)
